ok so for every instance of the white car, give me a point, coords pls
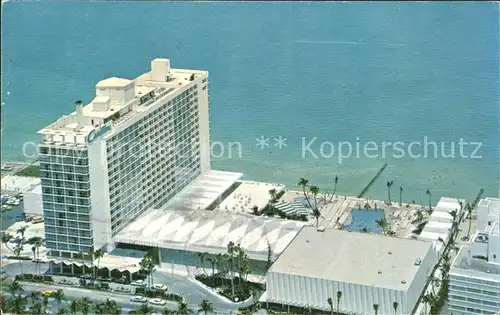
(157, 302)
(139, 299)
(160, 287)
(139, 283)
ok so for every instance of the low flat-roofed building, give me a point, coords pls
(367, 268)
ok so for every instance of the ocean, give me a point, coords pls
(361, 73)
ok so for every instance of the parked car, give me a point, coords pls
(48, 293)
(139, 283)
(157, 302)
(160, 287)
(139, 299)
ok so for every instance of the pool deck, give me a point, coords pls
(337, 213)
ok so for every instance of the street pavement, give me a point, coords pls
(192, 292)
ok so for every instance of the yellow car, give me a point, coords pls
(48, 293)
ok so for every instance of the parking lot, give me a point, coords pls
(11, 213)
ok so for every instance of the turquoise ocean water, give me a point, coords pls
(335, 71)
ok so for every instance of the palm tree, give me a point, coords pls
(147, 265)
(230, 251)
(375, 308)
(468, 208)
(389, 185)
(98, 254)
(74, 307)
(182, 309)
(206, 307)
(420, 216)
(81, 256)
(304, 183)
(336, 181)
(18, 304)
(58, 295)
(429, 195)
(330, 302)
(434, 282)
(85, 304)
(272, 194)
(383, 224)
(62, 310)
(35, 297)
(339, 296)
(400, 195)
(36, 308)
(428, 299)
(15, 287)
(91, 253)
(144, 309)
(314, 191)
(18, 249)
(395, 307)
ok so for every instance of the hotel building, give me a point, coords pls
(134, 147)
(474, 286)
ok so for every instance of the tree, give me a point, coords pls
(429, 195)
(58, 296)
(62, 310)
(434, 282)
(182, 309)
(15, 287)
(144, 309)
(272, 194)
(383, 224)
(400, 195)
(147, 265)
(375, 308)
(389, 185)
(18, 304)
(305, 183)
(230, 252)
(18, 249)
(335, 182)
(84, 305)
(420, 216)
(468, 208)
(428, 299)
(74, 307)
(98, 254)
(314, 191)
(91, 253)
(330, 302)
(395, 307)
(206, 307)
(339, 296)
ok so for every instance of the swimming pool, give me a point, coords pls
(362, 218)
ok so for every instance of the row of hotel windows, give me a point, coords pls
(68, 184)
(473, 300)
(473, 280)
(81, 247)
(63, 152)
(473, 290)
(77, 174)
(66, 200)
(470, 310)
(65, 207)
(68, 219)
(63, 160)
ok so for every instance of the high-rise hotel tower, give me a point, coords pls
(135, 146)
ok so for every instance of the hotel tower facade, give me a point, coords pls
(135, 146)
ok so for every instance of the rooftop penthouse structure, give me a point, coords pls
(135, 146)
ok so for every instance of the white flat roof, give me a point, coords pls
(441, 225)
(433, 236)
(441, 214)
(204, 191)
(247, 195)
(113, 82)
(210, 231)
(449, 204)
(353, 257)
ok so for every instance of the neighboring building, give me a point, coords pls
(32, 201)
(475, 273)
(135, 146)
(438, 227)
(367, 268)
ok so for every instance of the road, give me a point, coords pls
(192, 292)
